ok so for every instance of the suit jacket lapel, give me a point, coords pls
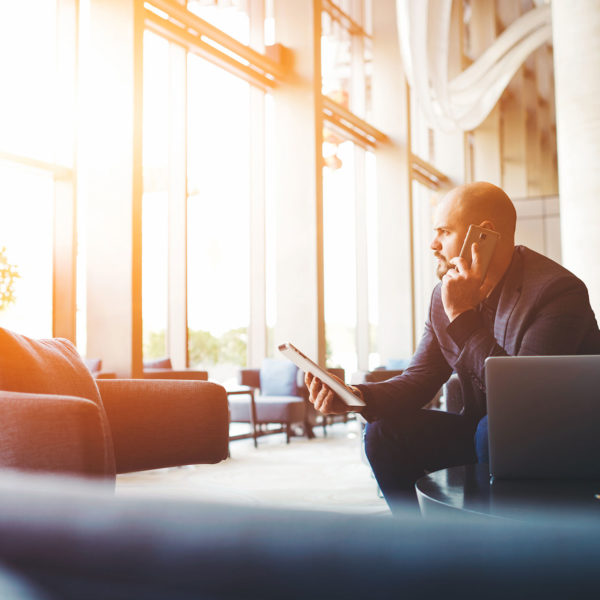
(511, 291)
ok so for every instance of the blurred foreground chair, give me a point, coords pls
(57, 417)
(161, 368)
(70, 541)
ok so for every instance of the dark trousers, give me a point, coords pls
(417, 442)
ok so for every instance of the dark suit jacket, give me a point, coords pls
(543, 309)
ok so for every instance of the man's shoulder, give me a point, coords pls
(538, 272)
(536, 266)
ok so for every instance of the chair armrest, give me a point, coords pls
(159, 424)
(48, 432)
(182, 375)
(249, 377)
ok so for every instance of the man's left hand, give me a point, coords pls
(462, 288)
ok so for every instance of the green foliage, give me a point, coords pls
(204, 348)
(232, 347)
(154, 344)
(8, 275)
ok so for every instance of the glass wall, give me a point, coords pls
(155, 200)
(230, 17)
(339, 257)
(36, 152)
(28, 71)
(349, 193)
(424, 203)
(221, 167)
(346, 55)
(26, 247)
(218, 219)
(372, 259)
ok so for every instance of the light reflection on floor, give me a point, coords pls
(327, 473)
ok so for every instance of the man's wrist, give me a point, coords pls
(367, 411)
(463, 326)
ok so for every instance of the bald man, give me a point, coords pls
(526, 304)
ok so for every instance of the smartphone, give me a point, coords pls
(486, 239)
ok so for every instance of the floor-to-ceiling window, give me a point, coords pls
(36, 162)
(349, 197)
(218, 218)
(155, 207)
(203, 265)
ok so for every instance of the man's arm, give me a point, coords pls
(415, 387)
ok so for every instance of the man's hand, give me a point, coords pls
(462, 287)
(323, 398)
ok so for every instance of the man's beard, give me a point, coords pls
(443, 266)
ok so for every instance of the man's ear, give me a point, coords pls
(487, 225)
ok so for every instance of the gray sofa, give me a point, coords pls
(57, 418)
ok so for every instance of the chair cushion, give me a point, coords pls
(50, 366)
(158, 363)
(269, 409)
(278, 378)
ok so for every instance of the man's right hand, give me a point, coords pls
(324, 399)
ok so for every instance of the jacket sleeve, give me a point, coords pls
(558, 321)
(415, 387)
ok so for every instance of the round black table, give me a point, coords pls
(468, 491)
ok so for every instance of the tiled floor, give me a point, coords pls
(326, 473)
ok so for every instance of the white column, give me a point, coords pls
(111, 181)
(576, 36)
(395, 331)
(298, 180)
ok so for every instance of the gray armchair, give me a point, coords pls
(283, 409)
(287, 410)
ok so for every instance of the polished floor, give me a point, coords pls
(327, 473)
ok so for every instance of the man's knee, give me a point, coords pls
(384, 441)
(376, 439)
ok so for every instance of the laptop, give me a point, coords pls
(544, 416)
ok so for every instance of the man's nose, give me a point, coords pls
(435, 244)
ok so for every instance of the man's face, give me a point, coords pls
(450, 228)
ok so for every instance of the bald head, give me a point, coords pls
(482, 202)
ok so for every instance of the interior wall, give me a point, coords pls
(538, 225)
